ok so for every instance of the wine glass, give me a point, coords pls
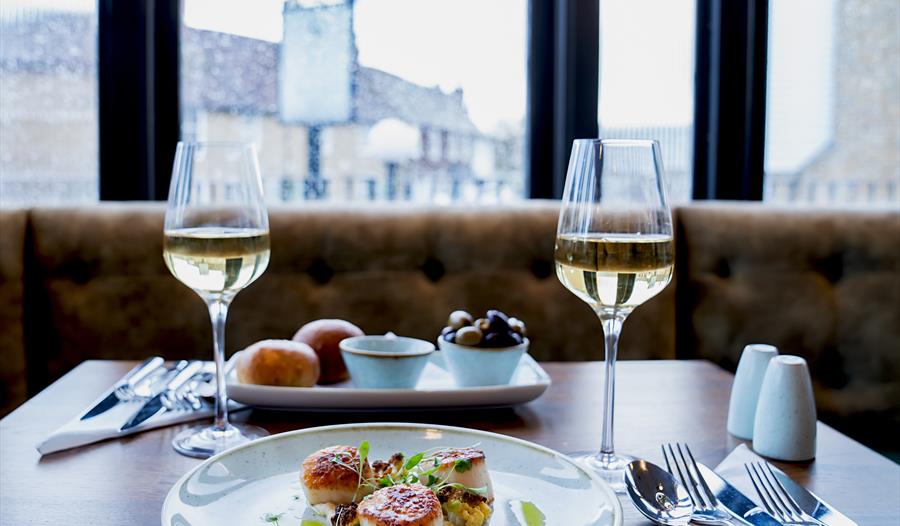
(216, 241)
(614, 251)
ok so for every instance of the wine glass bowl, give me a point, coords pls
(614, 251)
(216, 241)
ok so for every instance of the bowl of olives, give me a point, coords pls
(482, 351)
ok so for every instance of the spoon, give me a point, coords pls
(657, 494)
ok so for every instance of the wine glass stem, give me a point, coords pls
(218, 311)
(612, 326)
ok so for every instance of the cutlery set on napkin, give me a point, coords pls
(151, 395)
(742, 466)
(688, 491)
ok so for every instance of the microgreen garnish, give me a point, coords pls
(414, 461)
(413, 471)
(462, 465)
(271, 518)
(363, 451)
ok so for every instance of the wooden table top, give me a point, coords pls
(124, 481)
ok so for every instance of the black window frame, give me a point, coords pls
(139, 105)
(730, 99)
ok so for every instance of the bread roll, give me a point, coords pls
(324, 336)
(278, 362)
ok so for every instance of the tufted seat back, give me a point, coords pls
(821, 284)
(824, 285)
(101, 289)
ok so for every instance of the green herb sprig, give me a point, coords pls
(271, 518)
(419, 468)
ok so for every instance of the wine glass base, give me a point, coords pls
(611, 468)
(206, 441)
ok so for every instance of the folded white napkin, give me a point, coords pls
(106, 425)
(732, 470)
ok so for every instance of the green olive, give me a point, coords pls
(468, 336)
(459, 319)
(517, 326)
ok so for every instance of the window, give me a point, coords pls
(420, 100)
(647, 80)
(48, 102)
(833, 116)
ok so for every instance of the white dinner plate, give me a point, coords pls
(435, 389)
(244, 485)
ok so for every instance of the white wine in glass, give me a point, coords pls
(216, 241)
(614, 251)
(615, 271)
(216, 260)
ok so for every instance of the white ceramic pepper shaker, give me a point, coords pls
(785, 423)
(745, 390)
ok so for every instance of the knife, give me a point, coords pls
(810, 503)
(734, 501)
(178, 376)
(130, 380)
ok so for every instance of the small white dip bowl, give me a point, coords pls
(385, 362)
(479, 366)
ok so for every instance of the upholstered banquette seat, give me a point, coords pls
(83, 283)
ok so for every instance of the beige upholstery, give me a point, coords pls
(824, 284)
(12, 265)
(106, 293)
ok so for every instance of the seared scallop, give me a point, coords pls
(331, 476)
(465, 466)
(401, 505)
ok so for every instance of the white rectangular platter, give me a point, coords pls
(435, 389)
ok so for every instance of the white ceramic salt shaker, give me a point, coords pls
(745, 390)
(785, 423)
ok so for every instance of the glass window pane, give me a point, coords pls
(647, 80)
(345, 103)
(833, 116)
(48, 102)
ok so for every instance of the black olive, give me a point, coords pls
(497, 321)
(497, 314)
(498, 339)
(448, 335)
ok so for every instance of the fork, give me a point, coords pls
(706, 507)
(775, 498)
(136, 384)
(187, 397)
(141, 389)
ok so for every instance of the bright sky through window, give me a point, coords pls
(646, 62)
